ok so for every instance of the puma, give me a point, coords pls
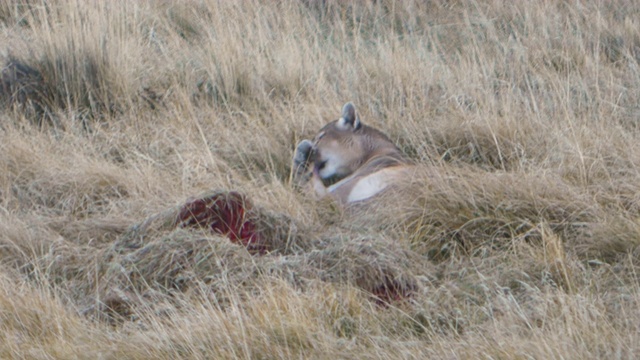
(349, 160)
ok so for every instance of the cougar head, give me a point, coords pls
(345, 144)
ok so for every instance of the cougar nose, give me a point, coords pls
(320, 164)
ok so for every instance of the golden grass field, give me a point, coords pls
(518, 239)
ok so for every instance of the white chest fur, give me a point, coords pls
(369, 186)
(362, 187)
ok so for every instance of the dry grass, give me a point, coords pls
(518, 238)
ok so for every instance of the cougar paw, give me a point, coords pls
(303, 152)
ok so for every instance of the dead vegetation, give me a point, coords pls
(122, 124)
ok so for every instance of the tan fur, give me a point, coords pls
(348, 160)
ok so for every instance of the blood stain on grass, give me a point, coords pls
(228, 214)
(391, 291)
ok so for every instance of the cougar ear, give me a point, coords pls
(349, 119)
